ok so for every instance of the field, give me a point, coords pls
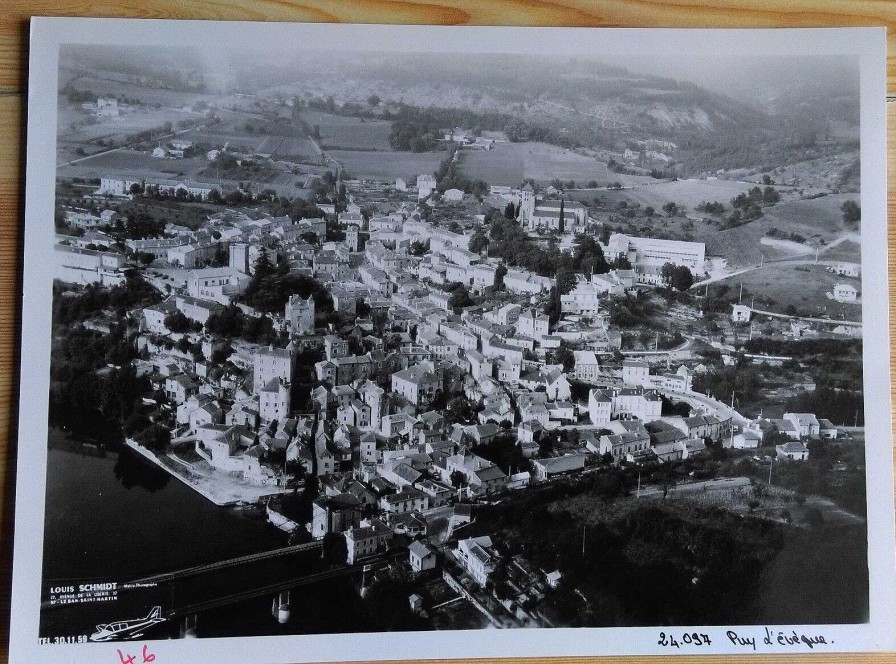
(337, 131)
(511, 163)
(689, 193)
(150, 96)
(818, 220)
(133, 163)
(77, 126)
(802, 285)
(387, 166)
(845, 251)
(286, 147)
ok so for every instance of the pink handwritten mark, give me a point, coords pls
(131, 659)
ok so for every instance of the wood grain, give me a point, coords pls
(14, 15)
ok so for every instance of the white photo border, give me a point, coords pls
(47, 34)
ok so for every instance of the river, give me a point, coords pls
(112, 517)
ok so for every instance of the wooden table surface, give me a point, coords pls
(14, 15)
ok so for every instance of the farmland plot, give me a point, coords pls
(387, 166)
(337, 131)
(511, 163)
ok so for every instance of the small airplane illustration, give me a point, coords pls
(127, 629)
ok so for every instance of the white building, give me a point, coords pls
(586, 366)
(533, 324)
(426, 184)
(477, 557)
(845, 293)
(648, 255)
(635, 372)
(418, 383)
(299, 312)
(270, 363)
(740, 313)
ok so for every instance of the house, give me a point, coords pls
(600, 407)
(408, 499)
(180, 387)
(846, 269)
(792, 451)
(480, 475)
(740, 313)
(845, 293)
(533, 324)
(586, 366)
(635, 372)
(788, 428)
(366, 541)
(806, 423)
(269, 363)
(400, 184)
(274, 401)
(426, 184)
(826, 429)
(421, 557)
(477, 557)
(299, 312)
(335, 514)
(418, 384)
(453, 195)
(546, 469)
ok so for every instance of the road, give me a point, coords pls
(233, 562)
(127, 146)
(797, 259)
(715, 405)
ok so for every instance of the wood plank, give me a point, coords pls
(607, 13)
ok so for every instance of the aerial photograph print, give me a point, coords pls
(411, 341)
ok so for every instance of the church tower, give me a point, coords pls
(527, 205)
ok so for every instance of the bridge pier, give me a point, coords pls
(365, 581)
(188, 626)
(280, 608)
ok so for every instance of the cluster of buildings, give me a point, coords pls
(380, 427)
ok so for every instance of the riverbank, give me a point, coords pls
(219, 488)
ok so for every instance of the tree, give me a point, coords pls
(678, 277)
(335, 551)
(374, 100)
(460, 297)
(458, 479)
(566, 281)
(852, 214)
(566, 357)
(670, 208)
(460, 410)
(649, 211)
(155, 438)
(221, 257)
(418, 248)
(176, 321)
(500, 273)
(479, 241)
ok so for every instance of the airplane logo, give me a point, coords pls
(127, 629)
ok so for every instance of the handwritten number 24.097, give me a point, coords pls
(131, 659)
(691, 639)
